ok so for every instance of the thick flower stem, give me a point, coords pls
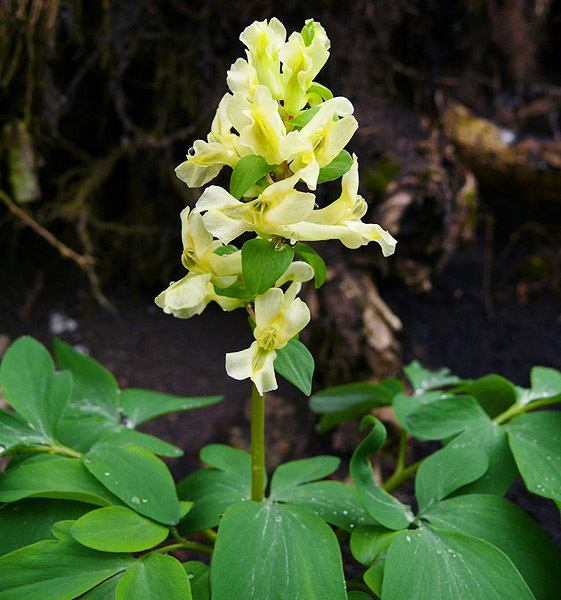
(257, 445)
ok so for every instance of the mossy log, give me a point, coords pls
(529, 169)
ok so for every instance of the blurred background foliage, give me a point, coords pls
(101, 99)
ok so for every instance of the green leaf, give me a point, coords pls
(492, 439)
(124, 435)
(155, 577)
(493, 392)
(334, 502)
(428, 563)
(503, 524)
(224, 250)
(308, 32)
(297, 472)
(384, 508)
(31, 386)
(358, 595)
(446, 471)
(214, 490)
(336, 168)
(137, 477)
(295, 363)
(445, 417)
(310, 256)
(404, 405)
(49, 476)
(535, 441)
(248, 170)
(287, 552)
(303, 118)
(61, 529)
(545, 385)
(367, 543)
(118, 529)
(95, 389)
(263, 263)
(105, 590)
(56, 569)
(236, 290)
(422, 379)
(345, 402)
(140, 406)
(30, 521)
(15, 433)
(199, 577)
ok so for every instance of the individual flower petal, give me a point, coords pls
(253, 363)
(205, 162)
(186, 297)
(297, 271)
(242, 78)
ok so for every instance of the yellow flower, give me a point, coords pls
(259, 124)
(279, 316)
(191, 294)
(320, 140)
(206, 159)
(263, 41)
(276, 207)
(301, 64)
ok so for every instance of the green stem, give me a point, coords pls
(402, 451)
(194, 546)
(400, 477)
(519, 409)
(257, 445)
(210, 535)
(51, 449)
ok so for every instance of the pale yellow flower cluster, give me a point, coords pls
(274, 112)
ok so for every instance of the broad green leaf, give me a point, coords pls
(404, 405)
(50, 476)
(29, 521)
(295, 363)
(545, 384)
(297, 472)
(82, 433)
(140, 406)
(56, 569)
(345, 402)
(61, 529)
(535, 441)
(384, 508)
(15, 433)
(105, 590)
(155, 577)
(214, 490)
(504, 525)
(492, 439)
(287, 552)
(124, 435)
(445, 417)
(336, 168)
(137, 477)
(425, 564)
(95, 389)
(118, 529)
(493, 392)
(263, 263)
(303, 118)
(224, 250)
(30, 385)
(248, 170)
(446, 471)
(310, 256)
(236, 290)
(422, 379)
(199, 577)
(336, 503)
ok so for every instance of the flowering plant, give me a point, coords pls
(91, 512)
